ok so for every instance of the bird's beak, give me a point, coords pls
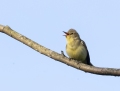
(66, 34)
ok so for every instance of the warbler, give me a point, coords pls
(76, 47)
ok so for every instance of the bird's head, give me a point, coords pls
(71, 35)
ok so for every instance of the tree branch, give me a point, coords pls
(58, 57)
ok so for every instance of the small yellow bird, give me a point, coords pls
(76, 48)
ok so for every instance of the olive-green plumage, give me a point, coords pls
(76, 48)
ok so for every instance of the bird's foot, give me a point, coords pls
(79, 62)
(71, 59)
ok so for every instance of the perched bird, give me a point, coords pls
(76, 47)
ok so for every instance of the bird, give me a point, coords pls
(76, 48)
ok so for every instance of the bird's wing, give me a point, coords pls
(88, 57)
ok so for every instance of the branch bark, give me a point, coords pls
(58, 57)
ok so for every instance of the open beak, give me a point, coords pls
(66, 34)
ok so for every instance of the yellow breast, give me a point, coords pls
(77, 53)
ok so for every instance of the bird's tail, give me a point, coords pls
(89, 63)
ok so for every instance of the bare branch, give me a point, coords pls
(58, 57)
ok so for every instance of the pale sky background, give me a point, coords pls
(23, 69)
